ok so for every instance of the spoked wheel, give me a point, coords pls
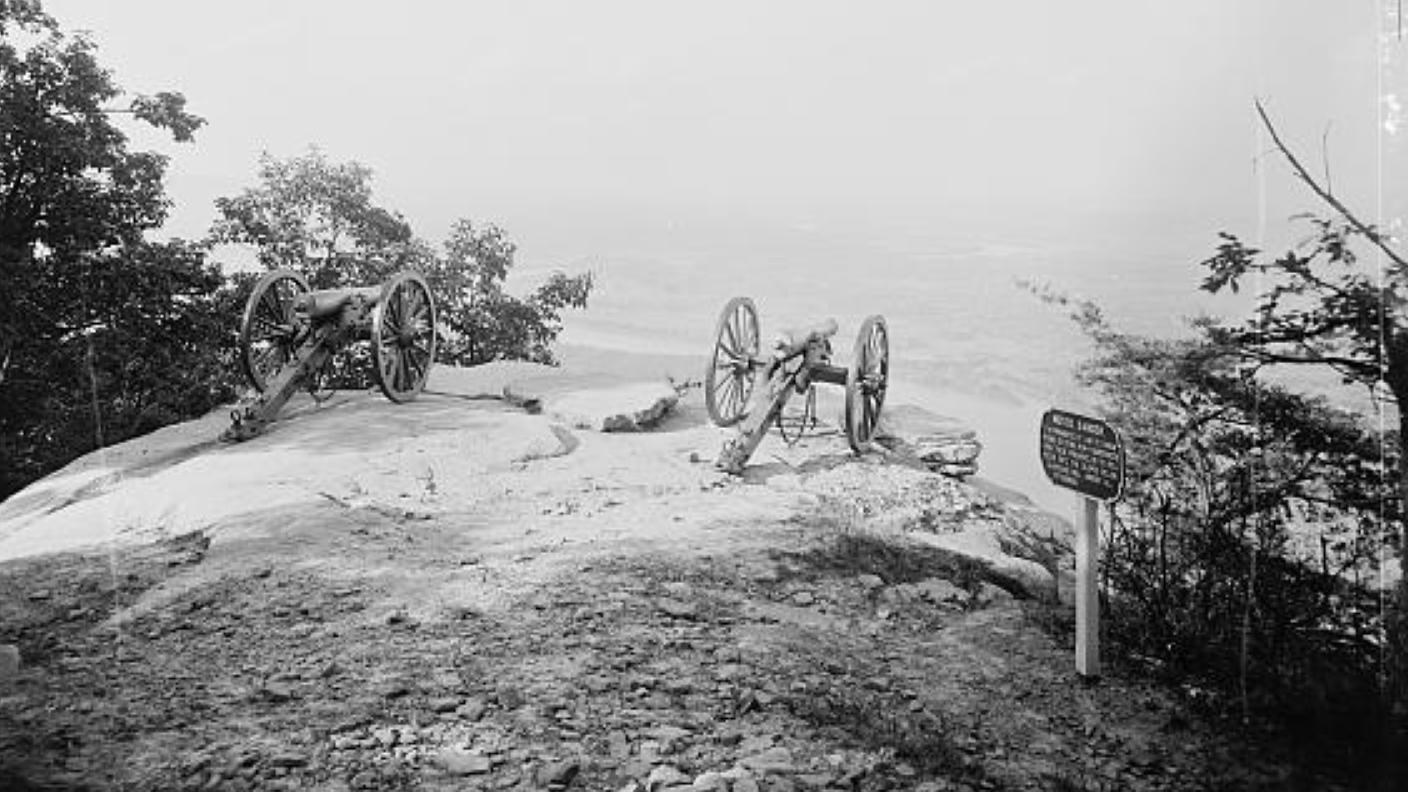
(403, 336)
(729, 381)
(269, 331)
(866, 381)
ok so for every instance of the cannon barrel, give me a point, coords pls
(326, 303)
(795, 340)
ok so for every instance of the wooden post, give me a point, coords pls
(1087, 590)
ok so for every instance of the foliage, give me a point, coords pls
(103, 335)
(1320, 306)
(1244, 554)
(1250, 521)
(317, 217)
(480, 321)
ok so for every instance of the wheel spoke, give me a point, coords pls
(729, 390)
(268, 360)
(403, 371)
(733, 344)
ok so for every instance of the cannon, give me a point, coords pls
(799, 359)
(289, 333)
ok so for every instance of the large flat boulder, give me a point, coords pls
(943, 444)
(425, 457)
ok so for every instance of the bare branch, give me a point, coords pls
(1358, 368)
(1373, 235)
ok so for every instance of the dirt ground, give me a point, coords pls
(549, 609)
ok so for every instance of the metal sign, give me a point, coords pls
(1082, 454)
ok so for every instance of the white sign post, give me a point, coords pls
(1085, 455)
(1087, 590)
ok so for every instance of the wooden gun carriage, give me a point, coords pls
(799, 359)
(289, 334)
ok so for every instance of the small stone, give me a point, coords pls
(457, 761)
(40, 595)
(870, 582)
(756, 743)
(670, 734)
(9, 661)
(445, 704)
(710, 782)
(559, 775)
(803, 598)
(741, 780)
(288, 759)
(472, 709)
(773, 761)
(617, 745)
(277, 692)
(676, 609)
(509, 697)
(665, 776)
(387, 736)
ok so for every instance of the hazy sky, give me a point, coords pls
(471, 108)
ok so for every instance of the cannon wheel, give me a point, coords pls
(269, 331)
(403, 336)
(729, 381)
(866, 380)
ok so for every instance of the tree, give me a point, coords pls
(481, 321)
(318, 217)
(102, 334)
(1256, 514)
(1320, 307)
(1251, 520)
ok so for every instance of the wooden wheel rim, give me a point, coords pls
(269, 329)
(403, 336)
(866, 381)
(728, 382)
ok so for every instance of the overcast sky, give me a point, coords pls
(462, 107)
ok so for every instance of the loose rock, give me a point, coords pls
(457, 761)
(9, 661)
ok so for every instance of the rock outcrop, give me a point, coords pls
(1023, 548)
(944, 445)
